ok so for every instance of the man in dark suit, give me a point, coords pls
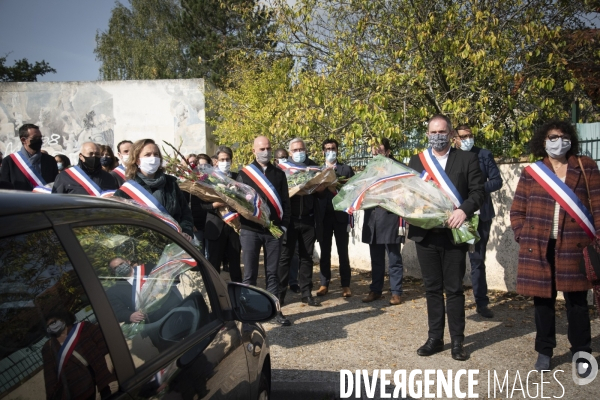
(42, 165)
(464, 140)
(331, 222)
(221, 239)
(381, 232)
(443, 263)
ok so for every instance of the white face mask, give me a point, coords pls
(299, 156)
(467, 144)
(149, 165)
(125, 158)
(330, 156)
(224, 166)
(282, 160)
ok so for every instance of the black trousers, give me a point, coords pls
(252, 243)
(578, 317)
(332, 227)
(478, 278)
(302, 234)
(226, 246)
(443, 267)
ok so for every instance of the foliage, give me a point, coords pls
(23, 70)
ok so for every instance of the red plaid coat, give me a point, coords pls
(531, 218)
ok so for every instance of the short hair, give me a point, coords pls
(296, 140)
(329, 141)
(463, 127)
(224, 149)
(190, 156)
(537, 145)
(386, 143)
(132, 167)
(281, 150)
(122, 142)
(443, 117)
(64, 159)
(62, 314)
(204, 157)
(24, 130)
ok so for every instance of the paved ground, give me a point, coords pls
(348, 334)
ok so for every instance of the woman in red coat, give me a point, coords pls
(551, 240)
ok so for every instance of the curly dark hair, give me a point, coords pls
(537, 146)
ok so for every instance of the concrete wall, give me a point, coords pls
(502, 250)
(106, 112)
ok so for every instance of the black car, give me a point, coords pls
(143, 314)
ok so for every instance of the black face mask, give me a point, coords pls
(35, 144)
(106, 161)
(91, 163)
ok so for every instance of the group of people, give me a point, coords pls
(551, 238)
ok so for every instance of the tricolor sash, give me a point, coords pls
(42, 189)
(358, 201)
(435, 172)
(230, 216)
(563, 196)
(66, 350)
(84, 180)
(189, 261)
(266, 187)
(139, 278)
(120, 170)
(22, 161)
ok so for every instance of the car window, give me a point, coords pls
(156, 294)
(50, 341)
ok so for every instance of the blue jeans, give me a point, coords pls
(378, 267)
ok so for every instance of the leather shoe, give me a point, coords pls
(322, 291)
(311, 301)
(372, 296)
(346, 292)
(395, 300)
(458, 352)
(431, 347)
(485, 312)
(295, 288)
(281, 320)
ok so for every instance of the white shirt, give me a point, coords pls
(443, 160)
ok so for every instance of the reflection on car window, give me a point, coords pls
(42, 307)
(155, 295)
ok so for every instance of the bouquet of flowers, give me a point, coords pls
(399, 189)
(306, 180)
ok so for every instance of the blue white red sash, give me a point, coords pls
(292, 168)
(439, 176)
(22, 161)
(120, 170)
(266, 187)
(84, 180)
(358, 201)
(42, 189)
(230, 216)
(66, 350)
(145, 198)
(139, 278)
(563, 195)
(189, 261)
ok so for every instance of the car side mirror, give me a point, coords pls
(252, 304)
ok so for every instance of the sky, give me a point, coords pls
(61, 32)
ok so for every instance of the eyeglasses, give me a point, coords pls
(554, 138)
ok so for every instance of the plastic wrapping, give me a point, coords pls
(306, 180)
(399, 189)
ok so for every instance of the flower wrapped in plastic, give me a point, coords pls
(157, 286)
(304, 180)
(399, 189)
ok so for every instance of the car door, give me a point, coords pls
(184, 345)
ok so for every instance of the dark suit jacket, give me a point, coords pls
(10, 172)
(325, 209)
(65, 184)
(214, 223)
(464, 172)
(492, 179)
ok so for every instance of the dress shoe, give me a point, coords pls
(322, 291)
(346, 292)
(372, 296)
(281, 320)
(295, 288)
(311, 301)
(431, 347)
(395, 300)
(458, 352)
(485, 312)
(543, 363)
(281, 298)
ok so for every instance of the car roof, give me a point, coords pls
(19, 202)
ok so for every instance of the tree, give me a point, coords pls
(23, 71)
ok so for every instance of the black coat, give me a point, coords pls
(279, 182)
(464, 172)
(65, 184)
(303, 207)
(10, 172)
(325, 205)
(214, 223)
(176, 203)
(492, 179)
